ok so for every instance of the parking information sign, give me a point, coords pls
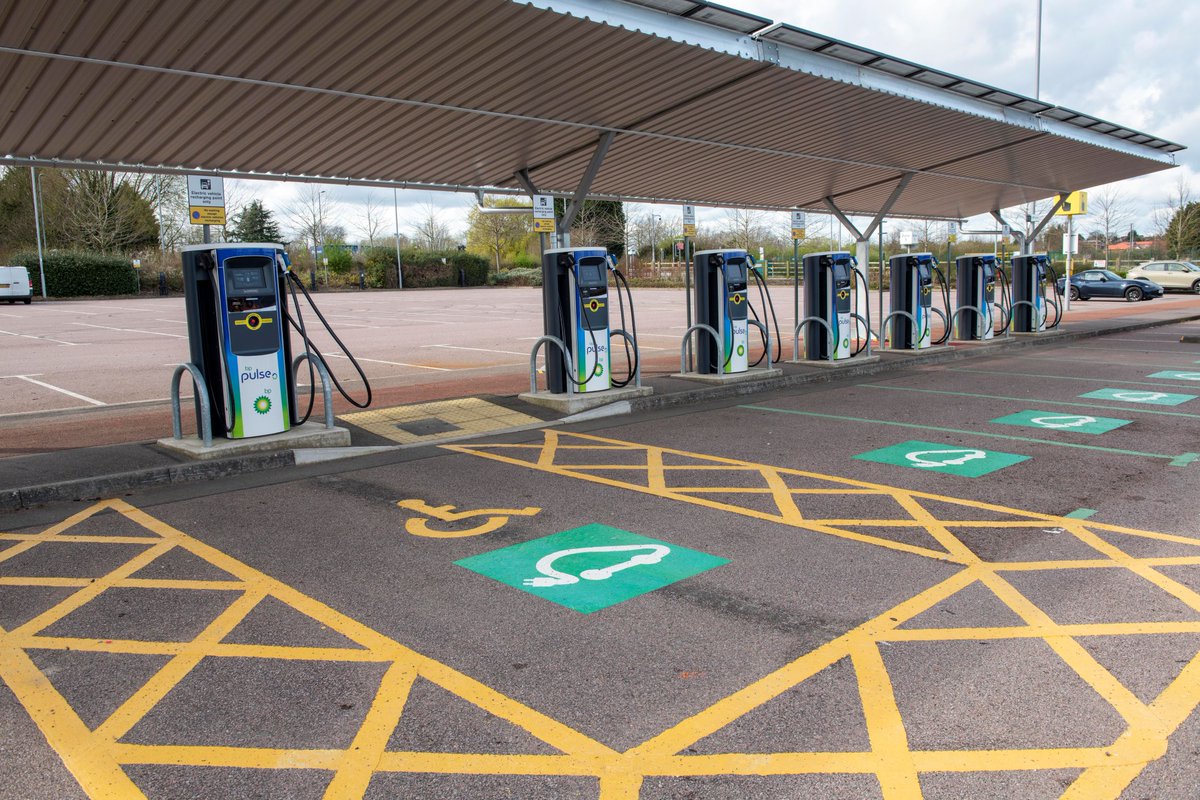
(206, 200)
(590, 568)
(798, 224)
(689, 220)
(543, 213)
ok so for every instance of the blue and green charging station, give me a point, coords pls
(575, 310)
(828, 284)
(237, 335)
(975, 295)
(723, 304)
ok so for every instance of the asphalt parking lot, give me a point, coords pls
(976, 579)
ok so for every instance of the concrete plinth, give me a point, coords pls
(574, 403)
(303, 436)
(716, 379)
(940, 348)
(845, 363)
(1050, 334)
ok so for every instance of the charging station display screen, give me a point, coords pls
(841, 272)
(590, 272)
(248, 274)
(735, 271)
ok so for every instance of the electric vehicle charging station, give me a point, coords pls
(1031, 276)
(975, 297)
(912, 309)
(238, 318)
(723, 317)
(576, 314)
(237, 336)
(828, 288)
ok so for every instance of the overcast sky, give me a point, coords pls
(1132, 62)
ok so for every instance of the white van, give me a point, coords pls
(14, 285)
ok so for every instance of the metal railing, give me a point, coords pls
(199, 398)
(326, 391)
(562, 349)
(687, 341)
(637, 355)
(796, 336)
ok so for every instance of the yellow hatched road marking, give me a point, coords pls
(97, 757)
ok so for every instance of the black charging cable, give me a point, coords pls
(764, 298)
(634, 359)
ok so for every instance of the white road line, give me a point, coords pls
(41, 338)
(392, 363)
(67, 392)
(42, 307)
(130, 330)
(14, 316)
(176, 321)
(477, 349)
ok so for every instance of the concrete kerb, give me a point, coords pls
(119, 483)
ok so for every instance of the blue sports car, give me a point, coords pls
(1103, 283)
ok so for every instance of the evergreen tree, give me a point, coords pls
(255, 224)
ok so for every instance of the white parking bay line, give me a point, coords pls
(41, 338)
(130, 330)
(476, 349)
(392, 363)
(67, 392)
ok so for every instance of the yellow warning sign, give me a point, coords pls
(543, 225)
(206, 215)
(1075, 204)
(799, 233)
(689, 230)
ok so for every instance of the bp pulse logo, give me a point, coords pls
(256, 374)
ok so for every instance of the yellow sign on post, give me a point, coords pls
(543, 213)
(207, 215)
(543, 225)
(1074, 205)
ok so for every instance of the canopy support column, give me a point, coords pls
(563, 226)
(1027, 243)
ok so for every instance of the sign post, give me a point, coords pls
(1075, 204)
(798, 232)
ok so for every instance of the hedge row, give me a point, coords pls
(80, 274)
(424, 268)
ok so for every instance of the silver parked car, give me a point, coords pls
(1170, 274)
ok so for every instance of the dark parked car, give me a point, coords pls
(1103, 283)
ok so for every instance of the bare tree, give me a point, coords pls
(305, 216)
(106, 213)
(1178, 220)
(430, 232)
(372, 220)
(745, 228)
(1112, 212)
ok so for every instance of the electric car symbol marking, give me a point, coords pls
(1139, 397)
(955, 457)
(496, 518)
(552, 577)
(262, 405)
(1067, 421)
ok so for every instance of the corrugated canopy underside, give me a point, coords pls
(470, 92)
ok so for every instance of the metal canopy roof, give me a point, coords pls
(707, 104)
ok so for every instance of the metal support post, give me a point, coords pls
(37, 225)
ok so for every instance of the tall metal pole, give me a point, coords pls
(1037, 63)
(37, 228)
(321, 231)
(880, 318)
(396, 210)
(1070, 246)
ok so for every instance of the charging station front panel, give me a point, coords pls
(590, 342)
(251, 332)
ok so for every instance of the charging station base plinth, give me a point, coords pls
(715, 379)
(565, 403)
(303, 436)
(911, 352)
(845, 363)
(1040, 334)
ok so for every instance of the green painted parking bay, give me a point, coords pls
(592, 567)
(969, 462)
(1176, 375)
(1146, 396)
(1058, 421)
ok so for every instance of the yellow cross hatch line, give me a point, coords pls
(97, 756)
